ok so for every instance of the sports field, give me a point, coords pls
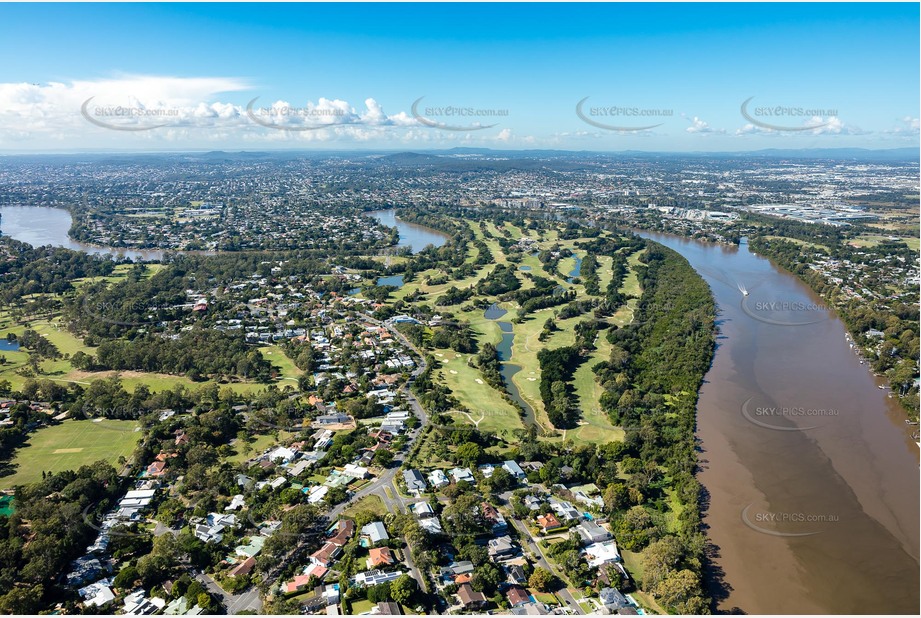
(70, 445)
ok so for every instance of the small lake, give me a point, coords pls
(494, 312)
(8, 346)
(42, 225)
(394, 280)
(524, 267)
(416, 237)
(508, 370)
(576, 270)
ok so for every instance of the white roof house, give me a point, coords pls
(437, 478)
(601, 553)
(375, 531)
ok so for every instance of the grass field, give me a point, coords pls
(595, 427)
(70, 445)
(871, 240)
(276, 356)
(61, 370)
(119, 274)
(245, 450)
(488, 411)
(369, 504)
(360, 607)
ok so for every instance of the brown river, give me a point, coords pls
(810, 469)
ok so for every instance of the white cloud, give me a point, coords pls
(131, 111)
(700, 126)
(816, 125)
(908, 127)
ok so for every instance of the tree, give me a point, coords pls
(464, 517)
(19, 601)
(469, 453)
(678, 587)
(382, 457)
(659, 559)
(126, 578)
(486, 577)
(205, 601)
(541, 579)
(616, 497)
(636, 528)
(403, 588)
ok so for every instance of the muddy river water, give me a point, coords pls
(810, 469)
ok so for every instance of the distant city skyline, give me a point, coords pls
(678, 77)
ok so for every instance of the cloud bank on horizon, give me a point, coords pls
(167, 112)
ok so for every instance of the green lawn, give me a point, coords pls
(245, 450)
(544, 597)
(488, 411)
(595, 427)
(368, 504)
(871, 240)
(280, 360)
(120, 273)
(360, 607)
(70, 445)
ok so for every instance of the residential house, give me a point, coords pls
(244, 568)
(515, 470)
(548, 522)
(438, 479)
(470, 598)
(533, 502)
(564, 510)
(388, 608)
(517, 595)
(462, 474)
(592, 533)
(281, 454)
(356, 472)
(601, 553)
(432, 525)
(612, 599)
(344, 531)
(495, 518)
(423, 510)
(454, 569)
(326, 555)
(415, 482)
(501, 548)
(372, 578)
(375, 532)
(486, 470)
(156, 469)
(335, 418)
(380, 557)
(516, 574)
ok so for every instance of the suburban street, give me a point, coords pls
(248, 599)
(542, 561)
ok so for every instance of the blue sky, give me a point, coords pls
(347, 76)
